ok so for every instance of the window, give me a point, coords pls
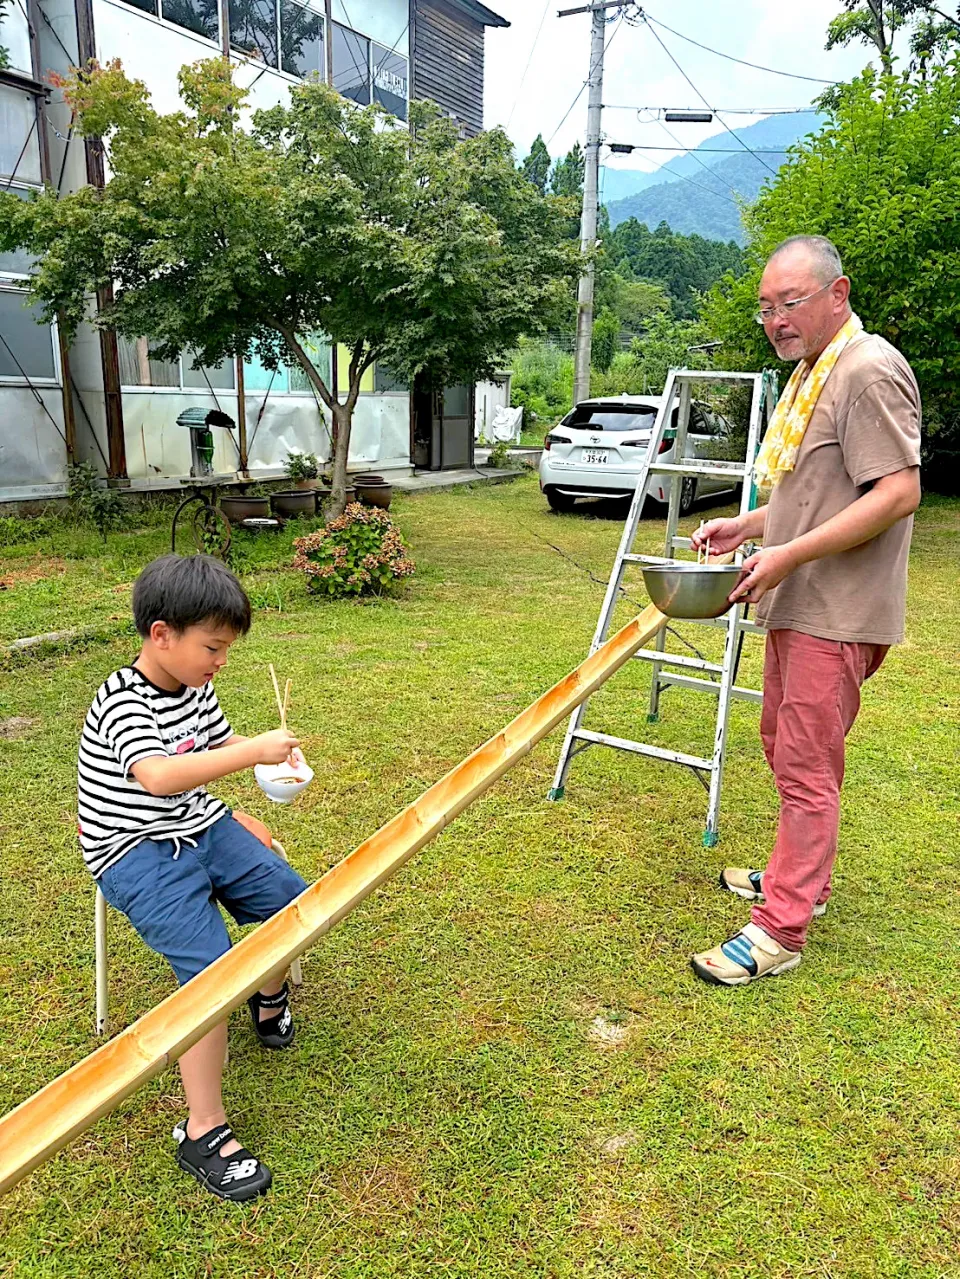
(301, 41)
(254, 29)
(17, 261)
(19, 143)
(139, 368)
(385, 381)
(321, 357)
(609, 418)
(202, 17)
(351, 64)
(390, 88)
(30, 343)
(15, 37)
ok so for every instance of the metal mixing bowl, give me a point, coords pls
(691, 590)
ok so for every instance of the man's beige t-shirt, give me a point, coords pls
(866, 424)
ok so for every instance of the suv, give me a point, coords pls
(598, 450)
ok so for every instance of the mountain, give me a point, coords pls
(709, 208)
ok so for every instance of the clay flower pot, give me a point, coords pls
(375, 495)
(237, 507)
(367, 477)
(292, 505)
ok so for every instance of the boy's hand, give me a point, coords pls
(275, 747)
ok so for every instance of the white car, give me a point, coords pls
(599, 448)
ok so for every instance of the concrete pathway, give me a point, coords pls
(428, 480)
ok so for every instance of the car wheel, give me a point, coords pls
(559, 501)
(688, 494)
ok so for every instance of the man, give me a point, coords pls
(841, 457)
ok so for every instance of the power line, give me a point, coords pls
(533, 49)
(791, 75)
(736, 136)
(619, 24)
(623, 106)
(709, 190)
(693, 156)
(707, 150)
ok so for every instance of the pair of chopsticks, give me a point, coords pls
(281, 704)
(703, 551)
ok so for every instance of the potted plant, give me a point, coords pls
(244, 506)
(303, 469)
(294, 505)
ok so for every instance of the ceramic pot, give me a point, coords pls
(237, 507)
(306, 485)
(376, 495)
(289, 506)
(367, 477)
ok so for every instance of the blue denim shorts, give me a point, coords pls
(172, 901)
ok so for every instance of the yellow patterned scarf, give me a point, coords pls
(781, 444)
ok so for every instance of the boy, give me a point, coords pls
(164, 851)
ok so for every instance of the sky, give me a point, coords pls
(639, 74)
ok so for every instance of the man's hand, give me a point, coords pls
(275, 747)
(762, 572)
(723, 535)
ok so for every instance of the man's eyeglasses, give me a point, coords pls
(766, 313)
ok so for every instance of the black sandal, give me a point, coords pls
(277, 1031)
(237, 1177)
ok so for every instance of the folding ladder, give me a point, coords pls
(716, 679)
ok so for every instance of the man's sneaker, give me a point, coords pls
(749, 954)
(748, 884)
(238, 1177)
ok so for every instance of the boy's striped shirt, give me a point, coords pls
(132, 719)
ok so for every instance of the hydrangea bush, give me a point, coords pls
(360, 552)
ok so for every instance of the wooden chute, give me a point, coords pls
(48, 1120)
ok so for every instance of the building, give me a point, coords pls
(105, 399)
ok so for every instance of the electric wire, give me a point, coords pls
(791, 75)
(734, 135)
(533, 49)
(619, 23)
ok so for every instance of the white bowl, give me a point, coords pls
(281, 783)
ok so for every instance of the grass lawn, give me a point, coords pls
(504, 1066)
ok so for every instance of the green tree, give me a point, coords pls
(568, 173)
(606, 340)
(876, 22)
(413, 248)
(882, 180)
(536, 166)
(4, 53)
(667, 344)
(685, 265)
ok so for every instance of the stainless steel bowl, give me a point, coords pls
(691, 590)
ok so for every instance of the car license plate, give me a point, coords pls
(593, 457)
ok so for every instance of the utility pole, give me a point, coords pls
(591, 186)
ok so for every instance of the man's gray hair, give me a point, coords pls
(823, 255)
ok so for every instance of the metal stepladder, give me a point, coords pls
(716, 679)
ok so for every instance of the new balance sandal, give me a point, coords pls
(276, 1031)
(237, 1177)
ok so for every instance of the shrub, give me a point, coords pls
(301, 466)
(360, 552)
(91, 501)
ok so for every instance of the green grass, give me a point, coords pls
(448, 1108)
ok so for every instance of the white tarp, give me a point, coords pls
(506, 424)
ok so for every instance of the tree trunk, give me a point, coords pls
(342, 423)
(342, 414)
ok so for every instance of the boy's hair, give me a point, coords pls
(188, 590)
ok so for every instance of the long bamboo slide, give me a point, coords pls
(47, 1121)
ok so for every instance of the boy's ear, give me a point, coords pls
(161, 634)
